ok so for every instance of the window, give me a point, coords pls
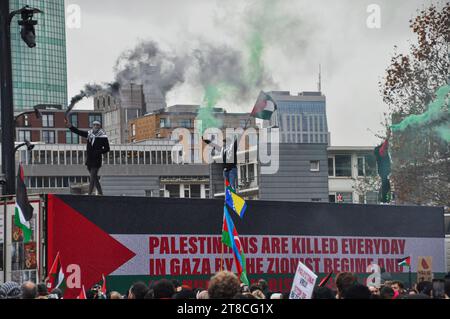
(332, 198)
(370, 165)
(74, 119)
(133, 129)
(26, 123)
(48, 120)
(207, 192)
(331, 166)
(305, 124)
(48, 137)
(163, 123)
(186, 123)
(343, 164)
(24, 135)
(187, 191)
(72, 138)
(195, 191)
(315, 166)
(361, 170)
(93, 118)
(173, 190)
(242, 123)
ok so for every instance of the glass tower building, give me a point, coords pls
(301, 118)
(40, 73)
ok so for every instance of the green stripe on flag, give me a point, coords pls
(19, 221)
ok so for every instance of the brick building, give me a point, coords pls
(51, 129)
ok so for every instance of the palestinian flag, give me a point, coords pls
(104, 285)
(24, 210)
(56, 276)
(405, 262)
(325, 280)
(82, 294)
(264, 107)
(235, 202)
(230, 238)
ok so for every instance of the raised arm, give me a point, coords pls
(75, 130)
(214, 145)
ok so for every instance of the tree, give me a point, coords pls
(421, 159)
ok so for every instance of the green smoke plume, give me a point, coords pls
(252, 74)
(212, 96)
(438, 111)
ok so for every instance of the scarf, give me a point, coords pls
(93, 135)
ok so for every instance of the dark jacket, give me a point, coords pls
(229, 154)
(94, 150)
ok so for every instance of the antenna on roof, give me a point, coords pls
(320, 78)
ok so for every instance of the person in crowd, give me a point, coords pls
(387, 293)
(10, 290)
(256, 291)
(264, 287)
(425, 288)
(203, 295)
(184, 294)
(398, 287)
(343, 281)
(56, 294)
(244, 296)
(356, 291)
(323, 293)
(29, 290)
(224, 285)
(138, 291)
(258, 294)
(115, 295)
(163, 289)
(42, 291)
(97, 145)
(447, 285)
(177, 285)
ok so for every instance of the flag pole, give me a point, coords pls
(410, 277)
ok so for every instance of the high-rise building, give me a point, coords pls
(301, 118)
(40, 73)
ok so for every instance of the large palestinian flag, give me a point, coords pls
(265, 106)
(131, 239)
(24, 210)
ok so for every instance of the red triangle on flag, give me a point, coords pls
(82, 243)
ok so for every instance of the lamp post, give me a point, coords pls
(6, 89)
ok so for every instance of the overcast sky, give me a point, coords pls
(310, 32)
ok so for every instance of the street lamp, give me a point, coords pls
(28, 35)
(29, 146)
(36, 111)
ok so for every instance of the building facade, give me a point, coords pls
(118, 110)
(161, 123)
(301, 118)
(51, 128)
(352, 175)
(151, 170)
(302, 175)
(40, 73)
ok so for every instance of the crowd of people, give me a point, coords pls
(226, 285)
